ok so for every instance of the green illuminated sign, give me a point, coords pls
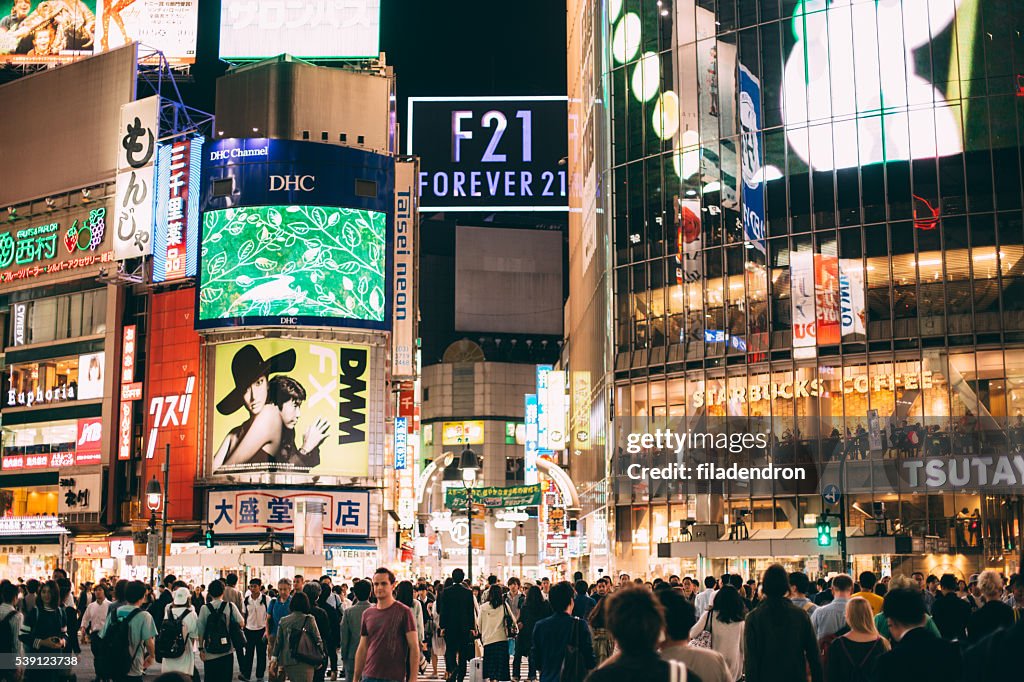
(301, 261)
(494, 498)
(34, 244)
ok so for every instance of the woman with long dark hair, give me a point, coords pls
(493, 635)
(405, 594)
(534, 609)
(45, 630)
(437, 644)
(725, 623)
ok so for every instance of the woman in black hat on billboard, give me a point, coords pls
(251, 374)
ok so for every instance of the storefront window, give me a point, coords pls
(62, 317)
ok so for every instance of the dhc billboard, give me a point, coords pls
(295, 233)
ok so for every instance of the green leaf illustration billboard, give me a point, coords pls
(317, 262)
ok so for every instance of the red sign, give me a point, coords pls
(826, 293)
(89, 447)
(406, 404)
(124, 431)
(173, 388)
(55, 459)
(128, 355)
(131, 392)
(177, 209)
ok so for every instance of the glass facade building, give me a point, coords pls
(816, 222)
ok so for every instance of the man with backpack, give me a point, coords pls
(254, 612)
(11, 621)
(214, 634)
(563, 647)
(177, 631)
(129, 637)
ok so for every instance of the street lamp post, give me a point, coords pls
(154, 501)
(521, 548)
(469, 465)
(163, 533)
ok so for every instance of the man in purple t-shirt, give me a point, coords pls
(388, 644)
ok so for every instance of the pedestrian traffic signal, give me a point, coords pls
(824, 532)
(210, 539)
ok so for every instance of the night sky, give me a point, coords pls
(439, 47)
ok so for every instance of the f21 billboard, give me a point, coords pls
(490, 153)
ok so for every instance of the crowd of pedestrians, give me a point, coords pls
(784, 628)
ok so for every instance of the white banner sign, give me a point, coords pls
(556, 410)
(851, 296)
(253, 512)
(801, 273)
(136, 170)
(403, 334)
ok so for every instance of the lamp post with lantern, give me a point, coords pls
(154, 502)
(469, 465)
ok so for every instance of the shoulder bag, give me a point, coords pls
(705, 639)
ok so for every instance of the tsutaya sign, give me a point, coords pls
(965, 473)
(812, 388)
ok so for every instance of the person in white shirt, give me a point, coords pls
(181, 609)
(95, 613)
(254, 613)
(12, 619)
(702, 602)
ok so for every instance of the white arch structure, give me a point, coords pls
(549, 468)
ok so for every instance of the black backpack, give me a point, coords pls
(574, 668)
(116, 646)
(216, 637)
(6, 634)
(170, 641)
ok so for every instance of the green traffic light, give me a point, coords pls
(824, 534)
(209, 539)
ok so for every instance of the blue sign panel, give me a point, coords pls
(753, 174)
(264, 172)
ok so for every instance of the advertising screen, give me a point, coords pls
(55, 31)
(314, 29)
(289, 405)
(319, 265)
(490, 153)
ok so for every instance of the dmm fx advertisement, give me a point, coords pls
(290, 405)
(490, 153)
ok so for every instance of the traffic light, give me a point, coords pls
(209, 538)
(824, 531)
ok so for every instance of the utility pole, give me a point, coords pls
(167, 499)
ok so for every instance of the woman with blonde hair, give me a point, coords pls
(855, 655)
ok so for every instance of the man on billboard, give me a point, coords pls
(71, 21)
(268, 434)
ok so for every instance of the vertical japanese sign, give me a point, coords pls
(401, 443)
(531, 453)
(136, 170)
(403, 331)
(124, 429)
(753, 176)
(556, 409)
(801, 275)
(542, 407)
(580, 410)
(177, 210)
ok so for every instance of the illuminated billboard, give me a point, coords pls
(490, 153)
(58, 31)
(169, 27)
(313, 29)
(320, 265)
(273, 412)
(176, 233)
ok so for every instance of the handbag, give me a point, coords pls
(511, 629)
(305, 649)
(705, 638)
